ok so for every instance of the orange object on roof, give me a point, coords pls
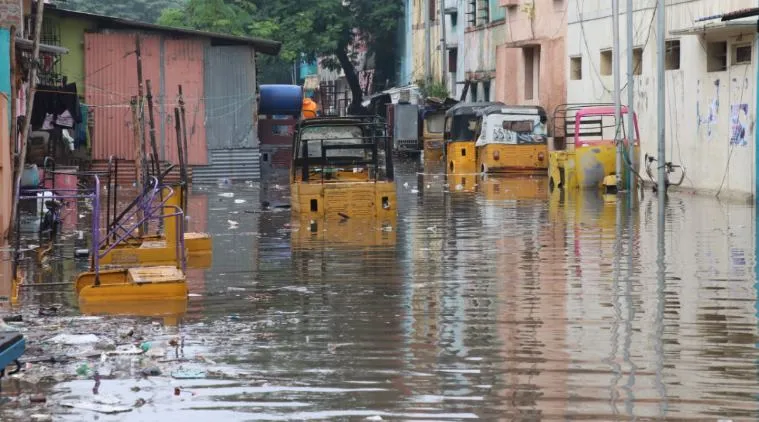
(309, 109)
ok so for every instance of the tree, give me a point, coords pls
(332, 30)
(141, 10)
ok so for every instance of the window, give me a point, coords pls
(432, 9)
(486, 91)
(497, 12)
(531, 56)
(575, 68)
(472, 13)
(637, 61)
(672, 55)
(483, 12)
(453, 59)
(606, 62)
(473, 89)
(716, 56)
(742, 54)
(454, 19)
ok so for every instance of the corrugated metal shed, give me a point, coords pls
(230, 115)
(230, 90)
(111, 78)
(183, 65)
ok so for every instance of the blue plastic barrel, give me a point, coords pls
(280, 99)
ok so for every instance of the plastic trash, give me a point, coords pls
(95, 407)
(83, 370)
(188, 374)
(240, 201)
(145, 346)
(151, 371)
(74, 339)
(227, 195)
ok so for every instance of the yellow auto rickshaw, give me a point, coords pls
(512, 139)
(461, 127)
(342, 167)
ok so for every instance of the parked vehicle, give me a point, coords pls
(512, 139)
(587, 159)
(433, 125)
(342, 166)
(461, 127)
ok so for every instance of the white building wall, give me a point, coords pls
(695, 138)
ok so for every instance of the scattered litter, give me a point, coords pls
(405, 185)
(240, 201)
(235, 289)
(100, 408)
(38, 398)
(298, 289)
(74, 339)
(432, 228)
(126, 349)
(156, 352)
(232, 224)
(151, 372)
(188, 374)
(414, 190)
(227, 195)
(374, 418)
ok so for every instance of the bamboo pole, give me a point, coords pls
(19, 169)
(139, 168)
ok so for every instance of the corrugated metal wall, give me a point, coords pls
(183, 65)
(230, 90)
(111, 78)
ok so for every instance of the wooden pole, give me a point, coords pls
(139, 163)
(184, 152)
(140, 109)
(151, 123)
(29, 105)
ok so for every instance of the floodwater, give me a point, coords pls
(503, 304)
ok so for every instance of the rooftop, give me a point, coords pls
(261, 45)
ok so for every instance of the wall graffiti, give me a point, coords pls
(739, 121)
(710, 118)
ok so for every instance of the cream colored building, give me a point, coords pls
(710, 83)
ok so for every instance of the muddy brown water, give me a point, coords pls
(504, 304)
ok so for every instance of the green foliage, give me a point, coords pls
(315, 28)
(141, 10)
(434, 89)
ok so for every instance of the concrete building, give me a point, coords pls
(711, 108)
(530, 65)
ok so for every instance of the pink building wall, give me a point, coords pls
(545, 26)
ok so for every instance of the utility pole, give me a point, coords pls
(617, 87)
(660, 98)
(443, 47)
(630, 98)
(427, 42)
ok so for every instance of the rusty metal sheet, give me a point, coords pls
(184, 65)
(111, 81)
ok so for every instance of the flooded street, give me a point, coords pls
(506, 304)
